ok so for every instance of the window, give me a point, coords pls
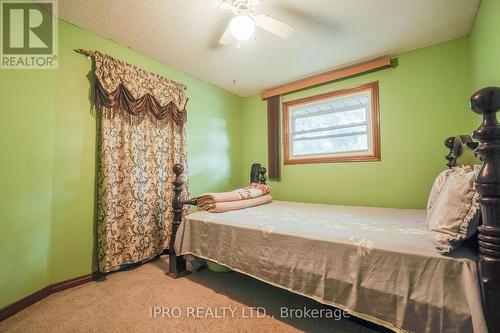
(339, 126)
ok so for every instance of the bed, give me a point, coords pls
(365, 260)
(377, 263)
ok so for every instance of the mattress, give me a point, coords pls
(377, 263)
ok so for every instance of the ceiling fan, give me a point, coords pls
(242, 25)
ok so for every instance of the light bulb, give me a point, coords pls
(242, 27)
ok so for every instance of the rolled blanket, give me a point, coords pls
(254, 190)
(221, 207)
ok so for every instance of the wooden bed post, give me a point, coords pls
(176, 264)
(487, 102)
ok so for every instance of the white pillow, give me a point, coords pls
(453, 216)
(436, 188)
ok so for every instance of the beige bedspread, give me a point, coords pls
(378, 263)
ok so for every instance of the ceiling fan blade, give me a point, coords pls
(225, 5)
(227, 38)
(274, 26)
(222, 4)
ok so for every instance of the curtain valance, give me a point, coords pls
(134, 93)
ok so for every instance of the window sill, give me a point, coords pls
(340, 159)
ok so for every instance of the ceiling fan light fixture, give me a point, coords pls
(242, 27)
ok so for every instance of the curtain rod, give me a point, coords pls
(380, 63)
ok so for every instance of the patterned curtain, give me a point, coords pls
(141, 136)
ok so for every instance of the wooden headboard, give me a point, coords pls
(258, 174)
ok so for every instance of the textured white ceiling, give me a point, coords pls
(329, 33)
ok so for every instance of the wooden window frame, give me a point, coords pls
(371, 156)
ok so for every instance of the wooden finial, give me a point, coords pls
(178, 169)
(486, 101)
(262, 176)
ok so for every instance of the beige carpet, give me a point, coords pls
(123, 302)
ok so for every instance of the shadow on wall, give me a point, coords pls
(209, 165)
(92, 110)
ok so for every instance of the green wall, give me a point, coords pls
(47, 141)
(422, 101)
(485, 46)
